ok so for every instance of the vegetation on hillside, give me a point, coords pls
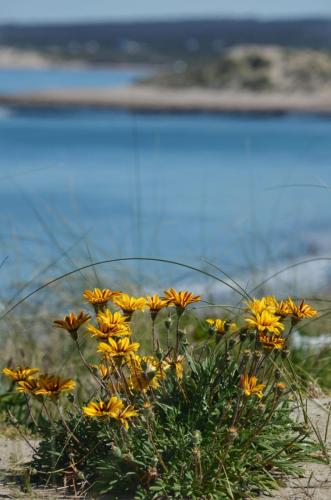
(255, 68)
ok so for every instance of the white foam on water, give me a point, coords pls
(316, 342)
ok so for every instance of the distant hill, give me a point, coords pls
(163, 41)
(254, 68)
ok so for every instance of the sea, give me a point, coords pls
(249, 194)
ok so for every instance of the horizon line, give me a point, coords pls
(167, 19)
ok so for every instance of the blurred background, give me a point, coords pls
(196, 132)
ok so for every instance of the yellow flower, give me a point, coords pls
(302, 311)
(124, 415)
(180, 299)
(271, 341)
(265, 321)
(143, 381)
(98, 297)
(104, 371)
(280, 386)
(250, 386)
(30, 386)
(257, 306)
(52, 385)
(130, 304)
(110, 325)
(21, 373)
(71, 323)
(177, 365)
(283, 309)
(221, 326)
(155, 304)
(118, 349)
(111, 408)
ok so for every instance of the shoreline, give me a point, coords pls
(147, 98)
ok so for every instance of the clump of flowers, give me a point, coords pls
(175, 417)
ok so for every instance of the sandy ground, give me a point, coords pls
(315, 483)
(157, 99)
(22, 59)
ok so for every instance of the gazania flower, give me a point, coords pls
(20, 374)
(271, 341)
(177, 365)
(282, 309)
(129, 304)
(111, 408)
(29, 386)
(103, 370)
(221, 327)
(250, 386)
(265, 322)
(180, 299)
(118, 349)
(155, 304)
(99, 298)
(302, 311)
(144, 380)
(257, 306)
(51, 385)
(71, 323)
(124, 415)
(110, 325)
(146, 372)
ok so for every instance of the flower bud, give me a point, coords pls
(285, 353)
(247, 354)
(243, 334)
(197, 438)
(233, 433)
(168, 322)
(277, 374)
(261, 408)
(232, 343)
(252, 335)
(211, 330)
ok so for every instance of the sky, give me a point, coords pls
(78, 10)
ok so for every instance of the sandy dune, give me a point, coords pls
(157, 99)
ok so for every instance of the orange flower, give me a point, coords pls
(155, 304)
(302, 311)
(250, 386)
(180, 299)
(124, 415)
(110, 325)
(46, 385)
(221, 326)
(129, 304)
(111, 408)
(265, 321)
(30, 385)
(271, 341)
(71, 323)
(99, 298)
(52, 385)
(176, 365)
(118, 349)
(20, 374)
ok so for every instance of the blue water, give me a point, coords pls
(14, 81)
(232, 189)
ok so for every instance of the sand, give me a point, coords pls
(156, 99)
